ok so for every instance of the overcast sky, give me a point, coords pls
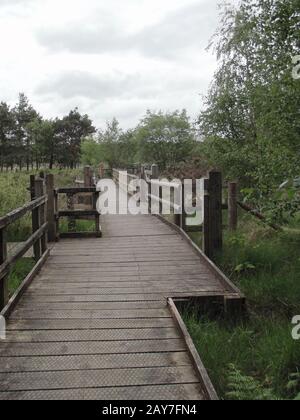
(108, 57)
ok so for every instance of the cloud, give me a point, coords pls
(186, 28)
(95, 87)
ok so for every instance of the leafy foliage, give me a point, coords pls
(251, 121)
(165, 139)
(246, 388)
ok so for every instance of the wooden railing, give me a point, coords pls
(212, 227)
(72, 214)
(44, 207)
(38, 239)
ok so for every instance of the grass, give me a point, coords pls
(14, 194)
(265, 265)
(19, 273)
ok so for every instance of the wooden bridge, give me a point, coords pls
(100, 321)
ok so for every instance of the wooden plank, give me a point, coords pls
(157, 392)
(91, 335)
(34, 304)
(207, 385)
(95, 378)
(119, 291)
(98, 347)
(91, 362)
(135, 297)
(83, 324)
(104, 314)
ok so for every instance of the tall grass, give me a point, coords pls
(265, 265)
(14, 194)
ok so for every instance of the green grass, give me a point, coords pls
(81, 226)
(265, 265)
(19, 273)
(14, 194)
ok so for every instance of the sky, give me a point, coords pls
(112, 58)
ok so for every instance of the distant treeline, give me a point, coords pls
(27, 140)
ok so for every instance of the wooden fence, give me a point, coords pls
(38, 238)
(44, 207)
(212, 227)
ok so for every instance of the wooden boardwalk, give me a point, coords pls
(94, 324)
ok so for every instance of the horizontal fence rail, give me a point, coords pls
(38, 238)
(213, 205)
(90, 196)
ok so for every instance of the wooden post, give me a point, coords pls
(71, 219)
(41, 217)
(232, 206)
(88, 182)
(155, 171)
(97, 217)
(36, 222)
(56, 215)
(52, 235)
(183, 213)
(87, 174)
(160, 196)
(207, 243)
(3, 280)
(215, 205)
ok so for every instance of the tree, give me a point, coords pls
(6, 130)
(69, 132)
(165, 139)
(251, 118)
(91, 152)
(43, 141)
(23, 114)
(110, 143)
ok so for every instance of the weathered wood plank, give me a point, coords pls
(95, 378)
(156, 392)
(92, 324)
(98, 347)
(91, 335)
(89, 362)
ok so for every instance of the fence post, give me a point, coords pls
(56, 215)
(215, 204)
(3, 280)
(36, 221)
(97, 217)
(232, 206)
(155, 171)
(87, 174)
(183, 214)
(52, 235)
(71, 219)
(39, 188)
(207, 243)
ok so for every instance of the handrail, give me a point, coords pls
(72, 214)
(21, 211)
(38, 239)
(160, 183)
(5, 267)
(76, 190)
